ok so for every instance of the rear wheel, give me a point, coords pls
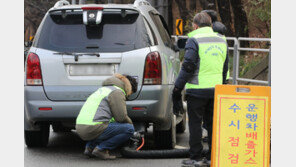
(166, 139)
(37, 138)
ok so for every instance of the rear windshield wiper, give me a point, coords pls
(118, 43)
(125, 44)
(76, 55)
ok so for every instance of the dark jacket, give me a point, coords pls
(116, 102)
(191, 58)
(217, 26)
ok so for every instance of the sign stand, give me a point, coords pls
(241, 126)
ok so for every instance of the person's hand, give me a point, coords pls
(177, 94)
(178, 107)
(177, 102)
(226, 82)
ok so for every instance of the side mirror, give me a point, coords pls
(176, 48)
(174, 40)
(181, 43)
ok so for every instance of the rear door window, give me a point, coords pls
(151, 34)
(67, 33)
(164, 34)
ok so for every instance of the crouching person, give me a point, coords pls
(103, 121)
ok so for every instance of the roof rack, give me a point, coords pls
(61, 3)
(141, 2)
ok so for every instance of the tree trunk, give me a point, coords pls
(225, 14)
(212, 5)
(204, 4)
(192, 5)
(184, 12)
(240, 19)
(208, 4)
(170, 17)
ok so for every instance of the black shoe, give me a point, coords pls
(88, 152)
(193, 163)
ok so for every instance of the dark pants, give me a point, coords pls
(112, 137)
(199, 109)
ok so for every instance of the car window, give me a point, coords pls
(164, 34)
(150, 33)
(114, 34)
(165, 25)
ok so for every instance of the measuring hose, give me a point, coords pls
(137, 153)
(143, 141)
(173, 153)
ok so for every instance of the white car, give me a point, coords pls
(77, 47)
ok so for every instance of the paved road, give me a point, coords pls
(65, 149)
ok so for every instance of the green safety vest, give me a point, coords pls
(212, 50)
(96, 108)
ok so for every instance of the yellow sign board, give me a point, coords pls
(179, 27)
(241, 126)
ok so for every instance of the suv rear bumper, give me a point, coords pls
(154, 99)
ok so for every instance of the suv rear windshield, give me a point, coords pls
(116, 33)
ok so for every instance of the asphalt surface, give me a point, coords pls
(66, 149)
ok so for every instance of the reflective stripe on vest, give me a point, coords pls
(212, 50)
(96, 105)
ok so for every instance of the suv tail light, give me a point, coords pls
(153, 72)
(34, 76)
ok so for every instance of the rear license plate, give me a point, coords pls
(92, 69)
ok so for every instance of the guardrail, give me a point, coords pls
(236, 56)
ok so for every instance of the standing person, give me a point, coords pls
(103, 121)
(216, 25)
(219, 28)
(205, 65)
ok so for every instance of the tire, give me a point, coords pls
(166, 139)
(181, 127)
(37, 138)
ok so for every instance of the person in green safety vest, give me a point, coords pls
(205, 65)
(103, 121)
(218, 27)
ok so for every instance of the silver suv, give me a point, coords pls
(76, 47)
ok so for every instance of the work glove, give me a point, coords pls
(226, 82)
(177, 102)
